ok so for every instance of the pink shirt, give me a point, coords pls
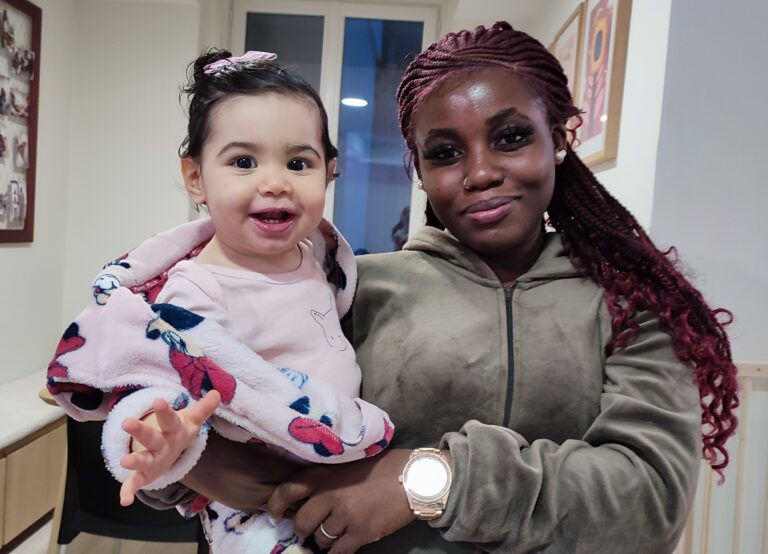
(289, 319)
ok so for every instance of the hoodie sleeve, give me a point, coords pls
(626, 485)
(168, 497)
(205, 300)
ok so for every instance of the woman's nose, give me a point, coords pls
(482, 172)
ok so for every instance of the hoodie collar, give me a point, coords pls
(552, 263)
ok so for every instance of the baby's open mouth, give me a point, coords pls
(271, 217)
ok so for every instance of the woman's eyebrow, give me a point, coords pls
(499, 117)
(441, 133)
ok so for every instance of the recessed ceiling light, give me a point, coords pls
(354, 102)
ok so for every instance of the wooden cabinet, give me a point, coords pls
(31, 479)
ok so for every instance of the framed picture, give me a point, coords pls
(601, 81)
(567, 48)
(19, 93)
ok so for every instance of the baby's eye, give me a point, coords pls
(298, 165)
(245, 163)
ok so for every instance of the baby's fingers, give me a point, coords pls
(144, 433)
(129, 488)
(200, 412)
(138, 461)
(167, 419)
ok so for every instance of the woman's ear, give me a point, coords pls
(559, 137)
(193, 180)
(560, 143)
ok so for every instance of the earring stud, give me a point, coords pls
(420, 184)
(560, 155)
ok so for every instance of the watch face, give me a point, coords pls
(427, 478)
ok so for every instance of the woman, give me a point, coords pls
(570, 379)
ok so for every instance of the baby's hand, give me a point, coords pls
(159, 439)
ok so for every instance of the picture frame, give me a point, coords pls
(20, 35)
(601, 80)
(567, 48)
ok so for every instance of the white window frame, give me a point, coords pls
(334, 13)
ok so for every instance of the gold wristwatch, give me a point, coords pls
(427, 481)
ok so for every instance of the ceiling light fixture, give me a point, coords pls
(354, 102)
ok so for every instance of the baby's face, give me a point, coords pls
(263, 175)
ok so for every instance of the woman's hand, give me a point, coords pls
(360, 502)
(239, 475)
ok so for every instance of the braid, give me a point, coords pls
(605, 239)
(600, 236)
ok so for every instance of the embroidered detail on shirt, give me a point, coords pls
(331, 328)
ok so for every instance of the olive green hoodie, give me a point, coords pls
(556, 447)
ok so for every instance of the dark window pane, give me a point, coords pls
(373, 194)
(296, 39)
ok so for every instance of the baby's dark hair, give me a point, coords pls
(205, 90)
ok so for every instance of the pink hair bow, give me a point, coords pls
(250, 56)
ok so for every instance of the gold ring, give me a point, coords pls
(327, 534)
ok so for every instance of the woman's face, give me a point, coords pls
(486, 156)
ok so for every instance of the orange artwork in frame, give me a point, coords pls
(601, 78)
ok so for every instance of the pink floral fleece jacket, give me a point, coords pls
(123, 351)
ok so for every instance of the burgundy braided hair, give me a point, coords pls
(600, 235)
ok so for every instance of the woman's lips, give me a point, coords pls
(491, 210)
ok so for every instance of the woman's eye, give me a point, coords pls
(447, 153)
(245, 163)
(442, 153)
(298, 165)
(513, 137)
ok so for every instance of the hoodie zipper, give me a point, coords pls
(510, 355)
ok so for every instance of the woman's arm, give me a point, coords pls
(238, 475)
(626, 485)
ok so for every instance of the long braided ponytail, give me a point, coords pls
(601, 236)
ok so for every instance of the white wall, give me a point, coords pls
(712, 190)
(126, 127)
(107, 175)
(31, 274)
(467, 14)
(710, 200)
(631, 177)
